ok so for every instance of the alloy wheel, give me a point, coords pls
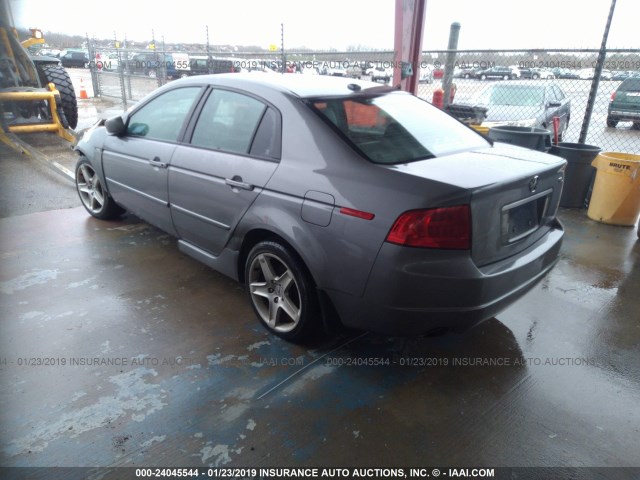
(90, 189)
(274, 292)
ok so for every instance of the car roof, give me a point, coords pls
(630, 83)
(303, 86)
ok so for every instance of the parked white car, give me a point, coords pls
(586, 73)
(380, 73)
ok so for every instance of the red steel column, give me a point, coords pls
(408, 41)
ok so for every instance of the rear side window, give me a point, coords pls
(228, 122)
(397, 127)
(267, 140)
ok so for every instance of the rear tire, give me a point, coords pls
(636, 125)
(60, 78)
(611, 122)
(94, 197)
(282, 292)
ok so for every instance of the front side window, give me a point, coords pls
(228, 122)
(162, 118)
(397, 127)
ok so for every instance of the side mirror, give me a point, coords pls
(115, 126)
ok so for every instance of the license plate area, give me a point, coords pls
(632, 97)
(520, 219)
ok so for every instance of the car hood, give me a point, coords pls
(496, 113)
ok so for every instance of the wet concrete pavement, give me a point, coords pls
(118, 350)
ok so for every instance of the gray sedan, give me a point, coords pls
(526, 105)
(331, 198)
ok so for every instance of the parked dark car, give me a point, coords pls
(331, 198)
(152, 64)
(467, 72)
(504, 73)
(625, 104)
(565, 73)
(526, 105)
(535, 73)
(624, 75)
(74, 59)
(203, 65)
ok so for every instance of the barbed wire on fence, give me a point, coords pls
(521, 87)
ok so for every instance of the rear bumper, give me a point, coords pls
(413, 291)
(624, 114)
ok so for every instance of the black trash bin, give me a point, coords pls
(530, 137)
(579, 174)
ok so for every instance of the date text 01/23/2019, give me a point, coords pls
(276, 473)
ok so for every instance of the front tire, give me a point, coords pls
(483, 77)
(636, 126)
(94, 197)
(282, 292)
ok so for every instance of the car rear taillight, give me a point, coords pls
(447, 227)
(613, 96)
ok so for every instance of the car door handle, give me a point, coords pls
(237, 182)
(155, 162)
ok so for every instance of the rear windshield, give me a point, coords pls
(630, 85)
(397, 127)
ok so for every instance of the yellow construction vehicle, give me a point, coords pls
(36, 93)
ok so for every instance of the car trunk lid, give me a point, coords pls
(628, 95)
(513, 192)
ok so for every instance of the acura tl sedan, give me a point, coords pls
(331, 198)
(525, 105)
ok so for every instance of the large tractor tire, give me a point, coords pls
(57, 75)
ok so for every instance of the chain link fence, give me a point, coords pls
(524, 88)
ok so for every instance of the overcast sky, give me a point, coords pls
(339, 23)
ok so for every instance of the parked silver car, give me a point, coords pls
(525, 105)
(331, 197)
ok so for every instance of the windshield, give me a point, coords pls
(512, 95)
(397, 127)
